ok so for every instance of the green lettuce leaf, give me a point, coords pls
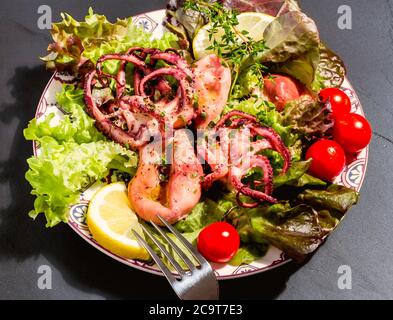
(330, 71)
(303, 68)
(248, 253)
(335, 197)
(203, 214)
(75, 126)
(62, 169)
(252, 106)
(247, 82)
(297, 176)
(289, 36)
(78, 45)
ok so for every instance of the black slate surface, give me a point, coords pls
(363, 240)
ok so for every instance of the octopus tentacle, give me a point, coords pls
(121, 75)
(237, 173)
(234, 113)
(178, 75)
(102, 123)
(276, 142)
(137, 81)
(174, 59)
(181, 109)
(219, 173)
(245, 204)
(170, 114)
(115, 56)
(265, 132)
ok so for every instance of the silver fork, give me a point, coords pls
(199, 283)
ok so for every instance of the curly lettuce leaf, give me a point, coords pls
(308, 117)
(62, 169)
(73, 153)
(246, 83)
(203, 214)
(78, 45)
(75, 126)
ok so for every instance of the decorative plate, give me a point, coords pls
(352, 176)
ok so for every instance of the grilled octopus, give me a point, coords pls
(163, 102)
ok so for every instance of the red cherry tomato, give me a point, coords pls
(339, 101)
(352, 131)
(328, 159)
(218, 242)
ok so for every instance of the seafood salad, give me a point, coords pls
(231, 126)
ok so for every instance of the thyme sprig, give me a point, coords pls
(236, 46)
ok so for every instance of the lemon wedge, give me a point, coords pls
(111, 220)
(254, 23)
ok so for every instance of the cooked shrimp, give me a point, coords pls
(173, 200)
(212, 83)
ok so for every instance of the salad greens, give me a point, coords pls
(78, 45)
(75, 126)
(292, 45)
(63, 168)
(185, 22)
(73, 153)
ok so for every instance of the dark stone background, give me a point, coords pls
(363, 240)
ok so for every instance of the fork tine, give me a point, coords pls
(174, 246)
(184, 241)
(173, 262)
(156, 259)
